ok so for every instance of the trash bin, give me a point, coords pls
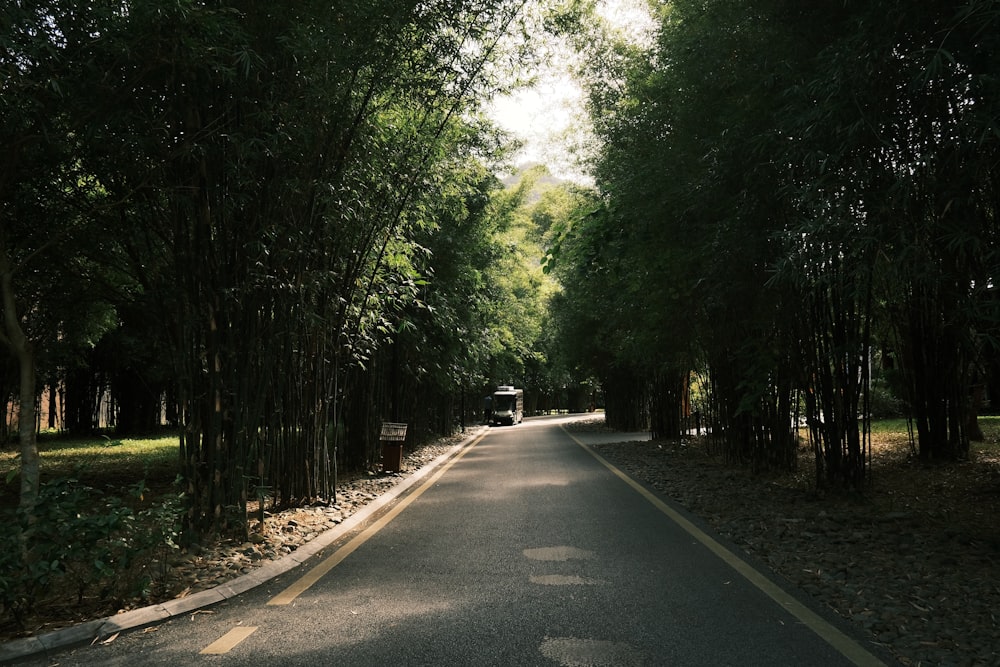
(392, 437)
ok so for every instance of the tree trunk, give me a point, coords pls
(78, 404)
(667, 395)
(24, 353)
(138, 404)
(972, 424)
(26, 431)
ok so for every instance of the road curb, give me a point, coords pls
(99, 630)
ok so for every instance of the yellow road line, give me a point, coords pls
(228, 641)
(837, 639)
(288, 595)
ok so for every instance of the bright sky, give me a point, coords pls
(550, 117)
(545, 117)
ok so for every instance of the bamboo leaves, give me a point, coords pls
(803, 180)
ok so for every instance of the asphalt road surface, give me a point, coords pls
(525, 548)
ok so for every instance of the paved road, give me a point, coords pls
(525, 549)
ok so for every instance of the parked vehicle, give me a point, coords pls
(508, 405)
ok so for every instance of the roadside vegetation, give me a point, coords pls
(107, 518)
(798, 204)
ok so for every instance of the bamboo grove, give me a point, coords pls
(279, 225)
(798, 207)
(250, 208)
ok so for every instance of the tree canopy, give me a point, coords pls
(260, 193)
(276, 227)
(796, 201)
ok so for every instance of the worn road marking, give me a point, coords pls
(561, 580)
(577, 652)
(558, 553)
(849, 648)
(228, 641)
(288, 595)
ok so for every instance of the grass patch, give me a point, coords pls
(892, 433)
(98, 461)
(889, 427)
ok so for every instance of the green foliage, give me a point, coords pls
(84, 542)
(279, 168)
(773, 201)
(484, 298)
(198, 194)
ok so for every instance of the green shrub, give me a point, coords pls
(885, 403)
(82, 541)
